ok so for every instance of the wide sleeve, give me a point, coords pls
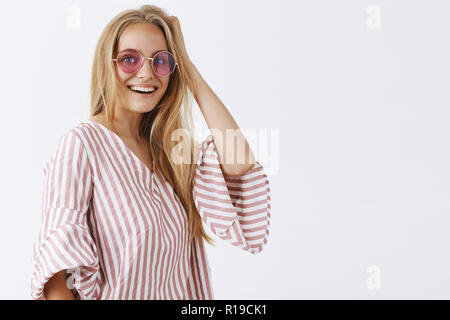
(64, 241)
(235, 208)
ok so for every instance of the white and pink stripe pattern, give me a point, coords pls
(122, 231)
(235, 208)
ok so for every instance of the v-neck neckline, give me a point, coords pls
(126, 147)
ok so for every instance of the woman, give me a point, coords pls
(122, 210)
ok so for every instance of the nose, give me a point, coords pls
(146, 70)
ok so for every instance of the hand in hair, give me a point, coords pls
(174, 24)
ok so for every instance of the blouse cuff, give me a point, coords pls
(235, 208)
(68, 247)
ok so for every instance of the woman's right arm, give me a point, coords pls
(64, 241)
(56, 288)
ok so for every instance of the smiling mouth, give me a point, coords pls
(143, 90)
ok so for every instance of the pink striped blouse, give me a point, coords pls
(120, 230)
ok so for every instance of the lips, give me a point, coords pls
(148, 85)
(139, 91)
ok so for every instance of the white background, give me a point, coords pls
(359, 178)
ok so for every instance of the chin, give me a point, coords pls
(141, 107)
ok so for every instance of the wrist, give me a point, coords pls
(195, 75)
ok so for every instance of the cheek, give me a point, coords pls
(165, 84)
(123, 78)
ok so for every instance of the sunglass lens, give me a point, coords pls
(164, 63)
(129, 61)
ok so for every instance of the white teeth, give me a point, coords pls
(141, 89)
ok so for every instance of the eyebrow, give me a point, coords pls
(141, 52)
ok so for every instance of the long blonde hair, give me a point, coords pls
(174, 111)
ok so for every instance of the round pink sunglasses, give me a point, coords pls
(131, 61)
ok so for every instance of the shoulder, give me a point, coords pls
(82, 132)
(71, 145)
(84, 136)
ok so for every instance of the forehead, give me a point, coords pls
(145, 37)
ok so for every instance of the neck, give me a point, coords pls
(127, 127)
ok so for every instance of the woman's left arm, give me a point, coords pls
(218, 118)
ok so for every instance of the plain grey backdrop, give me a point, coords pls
(355, 94)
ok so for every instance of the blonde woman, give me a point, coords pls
(123, 217)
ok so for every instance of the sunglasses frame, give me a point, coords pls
(143, 61)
